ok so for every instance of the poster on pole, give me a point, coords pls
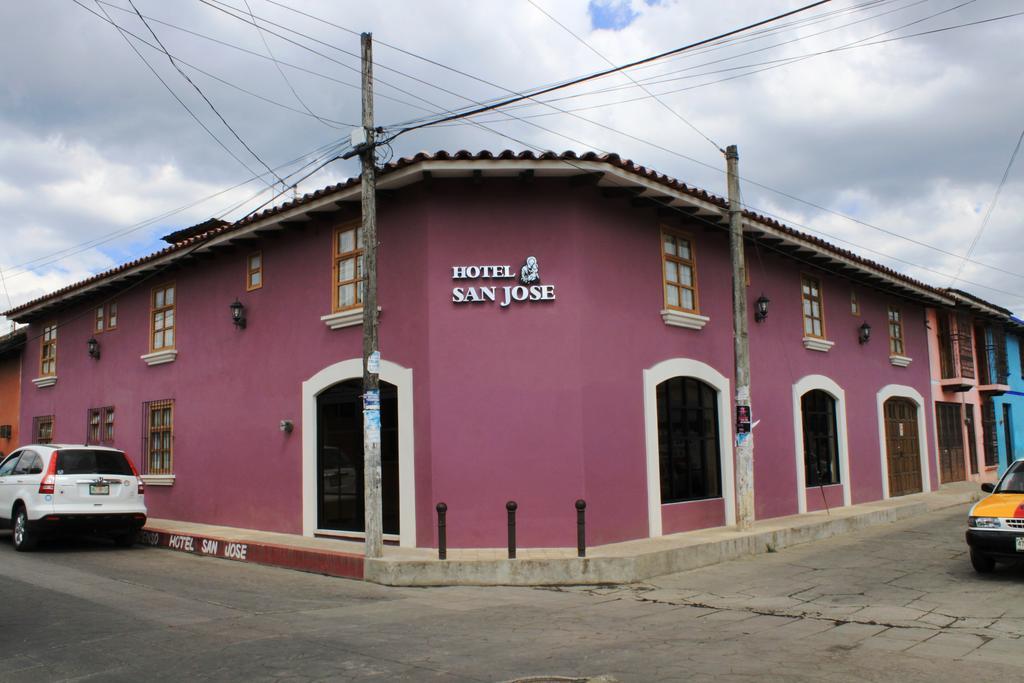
(371, 400)
(742, 420)
(371, 426)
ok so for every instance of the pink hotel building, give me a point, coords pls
(552, 327)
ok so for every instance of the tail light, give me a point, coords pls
(142, 484)
(49, 481)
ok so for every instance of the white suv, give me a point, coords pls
(46, 489)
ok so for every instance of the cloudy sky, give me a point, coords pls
(849, 125)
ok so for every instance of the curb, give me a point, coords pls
(602, 567)
(342, 565)
(600, 570)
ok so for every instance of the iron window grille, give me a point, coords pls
(158, 436)
(42, 429)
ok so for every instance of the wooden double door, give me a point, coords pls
(903, 451)
(949, 421)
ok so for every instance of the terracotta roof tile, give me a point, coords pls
(464, 155)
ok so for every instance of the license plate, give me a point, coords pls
(104, 490)
(1020, 544)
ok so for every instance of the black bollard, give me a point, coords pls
(581, 528)
(442, 532)
(511, 507)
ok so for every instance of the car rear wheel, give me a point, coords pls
(983, 564)
(23, 538)
(126, 540)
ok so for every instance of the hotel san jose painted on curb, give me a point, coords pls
(552, 327)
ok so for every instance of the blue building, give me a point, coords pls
(1009, 407)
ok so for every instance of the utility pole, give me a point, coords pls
(371, 355)
(744, 430)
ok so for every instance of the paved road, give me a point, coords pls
(896, 603)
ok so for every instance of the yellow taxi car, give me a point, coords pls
(995, 525)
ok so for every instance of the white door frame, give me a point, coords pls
(401, 378)
(830, 387)
(903, 391)
(655, 375)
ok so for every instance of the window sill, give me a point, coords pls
(158, 479)
(337, 321)
(900, 361)
(42, 382)
(690, 321)
(159, 357)
(816, 344)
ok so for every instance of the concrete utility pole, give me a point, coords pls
(371, 356)
(743, 423)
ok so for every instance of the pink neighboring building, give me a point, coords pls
(601, 369)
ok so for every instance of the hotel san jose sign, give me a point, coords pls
(529, 287)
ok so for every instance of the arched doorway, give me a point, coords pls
(689, 454)
(903, 449)
(339, 458)
(712, 406)
(820, 439)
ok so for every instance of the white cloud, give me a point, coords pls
(911, 135)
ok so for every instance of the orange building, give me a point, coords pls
(11, 348)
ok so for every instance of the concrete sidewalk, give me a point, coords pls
(614, 563)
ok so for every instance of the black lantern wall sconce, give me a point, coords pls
(238, 314)
(864, 333)
(94, 348)
(761, 308)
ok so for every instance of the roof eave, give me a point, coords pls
(664, 190)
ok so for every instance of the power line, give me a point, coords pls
(211, 3)
(169, 264)
(784, 253)
(334, 154)
(910, 263)
(202, 94)
(215, 77)
(601, 74)
(436, 106)
(883, 254)
(718, 45)
(254, 54)
(53, 257)
(777, 29)
(865, 5)
(715, 224)
(626, 75)
(168, 87)
(839, 48)
(651, 80)
(988, 213)
(281, 71)
(769, 188)
(774, 63)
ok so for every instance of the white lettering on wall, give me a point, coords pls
(529, 288)
(474, 272)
